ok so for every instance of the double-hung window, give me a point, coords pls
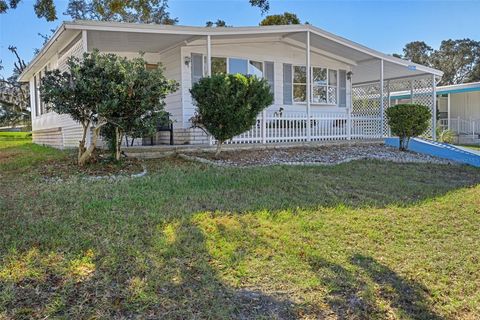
(219, 65)
(223, 65)
(299, 84)
(245, 66)
(324, 85)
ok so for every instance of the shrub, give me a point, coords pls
(228, 105)
(446, 136)
(408, 120)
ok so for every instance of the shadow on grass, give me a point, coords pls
(352, 296)
(152, 259)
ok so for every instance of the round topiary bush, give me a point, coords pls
(408, 120)
(228, 105)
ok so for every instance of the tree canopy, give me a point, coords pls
(458, 59)
(14, 96)
(280, 19)
(142, 11)
(218, 23)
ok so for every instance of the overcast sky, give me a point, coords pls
(382, 25)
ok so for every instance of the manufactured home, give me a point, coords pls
(458, 108)
(325, 87)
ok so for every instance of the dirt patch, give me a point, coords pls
(312, 155)
(101, 167)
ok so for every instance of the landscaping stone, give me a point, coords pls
(321, 155)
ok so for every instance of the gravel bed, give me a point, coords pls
(322, 155)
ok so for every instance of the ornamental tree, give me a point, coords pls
(102, 89)
(228, 105)
(407, 121)
(80, 93)
(137, 100)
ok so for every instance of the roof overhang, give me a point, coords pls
(450, 89)
(124, 37)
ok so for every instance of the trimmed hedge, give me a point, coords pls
(407, 121)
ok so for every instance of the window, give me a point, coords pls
(319, 85)
(245, 66)
(299, 84)
(332, 86)
(35, 99)
(39, 98)
(219, 65)
(324, 85)
(255, 68)
(237, 66)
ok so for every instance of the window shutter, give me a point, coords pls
(197, 67)
(287, 83)
(342, 81)
(270, 75)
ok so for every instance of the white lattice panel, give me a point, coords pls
(366, 101)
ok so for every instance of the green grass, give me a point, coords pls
(472, 147)
(17, 152)
(366, 239)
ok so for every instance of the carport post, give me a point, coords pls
(411, 91)
(389, 104)
(434, 107)
(309, 84)
(209, 56)
(381, 99)
(448, 111)
(209, 70)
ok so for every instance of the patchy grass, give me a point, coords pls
(366, 239)
(472, 147)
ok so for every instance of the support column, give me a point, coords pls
(264, 126)
(209, 70)
(209, 56)
(389, 104)
(434, 111)
(448, 112)
(381, 99)
(84, 41)
(309, 87)
(411, 91)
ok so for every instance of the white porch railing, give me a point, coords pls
(274, 127)
(461, 126)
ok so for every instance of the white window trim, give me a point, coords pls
(311, 83)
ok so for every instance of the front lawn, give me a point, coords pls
(365, 239)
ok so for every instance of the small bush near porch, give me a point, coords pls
(363, 240)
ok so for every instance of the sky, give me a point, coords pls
(382, 25)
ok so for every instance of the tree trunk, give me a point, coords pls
(88, 152)
(219, 148)
(81, 146)
(403, 143)
(118, 143)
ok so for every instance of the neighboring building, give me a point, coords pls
(343, 85)
(458, 109)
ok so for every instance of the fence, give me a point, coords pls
(275, 127)
(461, 126)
